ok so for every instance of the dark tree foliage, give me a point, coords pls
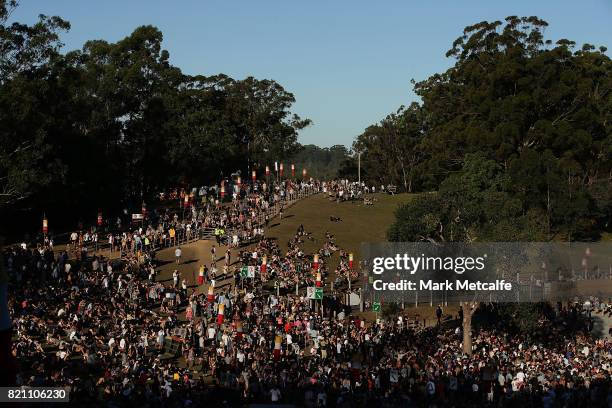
(391, 149)
(115, 123)
(516, 137)
(517, 144)
(320, 162)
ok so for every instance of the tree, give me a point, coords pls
(513, 96)
(113, 124)
(390, 150)
(468, 312)
(27, 55)
(320, 162)
(261, 113)
(536, 114)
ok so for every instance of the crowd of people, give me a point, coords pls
(353, 191)
(201, 213)
(251, 332)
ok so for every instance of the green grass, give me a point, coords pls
(606, 236)
(359, 223)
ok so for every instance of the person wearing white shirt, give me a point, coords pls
(160, 338)
(275, 394)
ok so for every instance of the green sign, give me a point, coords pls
(376, 307)
(244, 271)
(315, 293)
(319, 293)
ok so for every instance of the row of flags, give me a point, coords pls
(186, 200)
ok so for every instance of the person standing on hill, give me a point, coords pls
(439, 314)
(175, 278)
(172, 233)
(177, 254)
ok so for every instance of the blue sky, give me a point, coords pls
(348, 62)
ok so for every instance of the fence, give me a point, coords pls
(184, 236)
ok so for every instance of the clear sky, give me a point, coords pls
(348, 62)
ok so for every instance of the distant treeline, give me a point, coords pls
(320, 162)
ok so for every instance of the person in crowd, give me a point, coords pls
(102, 327)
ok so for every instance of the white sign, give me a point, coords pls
(312, 292)
(393, 375)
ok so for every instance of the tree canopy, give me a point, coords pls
(516, 137)
(117, 122)
(320, 162)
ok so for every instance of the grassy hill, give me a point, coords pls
(359, 223)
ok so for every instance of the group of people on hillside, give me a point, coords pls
(251, 332)
(345, 190)
(239, 221)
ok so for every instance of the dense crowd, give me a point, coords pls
(344, 190)
(117, 335)
(201, 213)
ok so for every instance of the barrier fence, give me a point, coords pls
(184, 235)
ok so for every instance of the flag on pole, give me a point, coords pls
(201, 275)
(211, 293)
(221, 313)
(239, 330)
(277, 347)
